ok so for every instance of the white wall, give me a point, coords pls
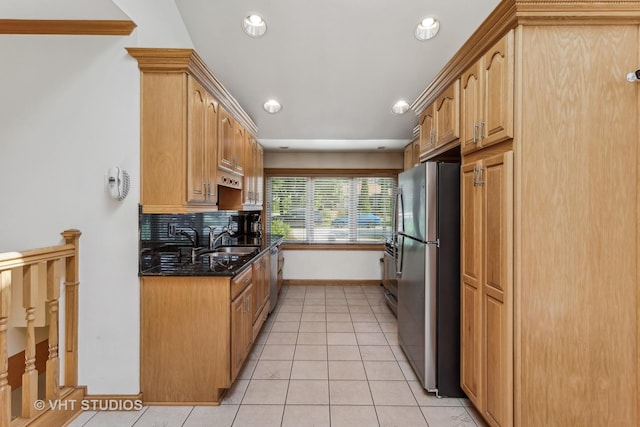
(69, 109)
(332, 265)
(335, 160)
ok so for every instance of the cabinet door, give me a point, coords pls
(471, 302)
(225, 140)
(196, 107)
(258, 287)
(408, 156)
(249, 186)
(470, 104)
(427, 139)
(211, 149)
(259, 174)
(496, 124)
(238, 148)
(241, 330)
(497, 287)
(447, 117)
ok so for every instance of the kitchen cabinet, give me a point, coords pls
(249, 186)
(181, 126)
(412, 154)
(549, 139)
(427, 130)
(487, 286)
(241, 321)
(202, 141)
(408, 157)
(253, 174)
(447, 115)
(226, 141)
(197, 331)
(238, 148)
(260, 291)
(486, 97)
(259, 175)
(440, 121)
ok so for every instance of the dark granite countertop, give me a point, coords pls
(175, 260)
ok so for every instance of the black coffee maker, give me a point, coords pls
(237, 225)
(253, 225)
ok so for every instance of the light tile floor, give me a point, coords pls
(327, 356)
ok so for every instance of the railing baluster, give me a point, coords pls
(32, 274)
(53, 361)
(5, 389)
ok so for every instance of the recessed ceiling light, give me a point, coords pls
(400, 107)
(427, 28)
(272, 106)
(254, 25)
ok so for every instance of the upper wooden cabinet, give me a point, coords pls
(427, 130)
(259, 175)
(412, 154)
(185, 135)
(447, 115)
(248, 188)
(238, 148)
(253, 174)
(226, 141)
(486, 97)
(440, 121)
(202, 141)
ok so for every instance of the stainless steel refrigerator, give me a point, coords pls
(428, 234)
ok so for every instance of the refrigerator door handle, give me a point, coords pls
(400, 256)
(400, 211)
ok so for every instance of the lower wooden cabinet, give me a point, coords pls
(260, 310)
(196, 332)
(241, 329)
(487, 287)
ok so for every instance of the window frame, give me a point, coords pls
(328, 173)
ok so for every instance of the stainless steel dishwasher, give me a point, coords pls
(273, 277)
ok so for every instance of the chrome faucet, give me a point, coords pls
(214, 240)
(193, 240)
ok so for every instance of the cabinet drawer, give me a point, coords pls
(240, 282)
(262, 316)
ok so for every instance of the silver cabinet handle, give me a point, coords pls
(480, 176)
(475, 138)
(481, 130)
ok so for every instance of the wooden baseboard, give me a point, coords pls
(16, 364)
(296, 282)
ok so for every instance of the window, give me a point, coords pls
(327, 209)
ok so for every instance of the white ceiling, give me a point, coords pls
(336, 66)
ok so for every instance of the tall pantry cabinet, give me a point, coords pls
(550, 213)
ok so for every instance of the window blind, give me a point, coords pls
(330, 209)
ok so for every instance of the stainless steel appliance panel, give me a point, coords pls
(273, 278)
(411, 297)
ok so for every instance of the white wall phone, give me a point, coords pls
(118, 182)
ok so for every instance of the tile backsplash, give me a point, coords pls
(154, 228)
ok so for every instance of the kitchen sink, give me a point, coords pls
(234, 250)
